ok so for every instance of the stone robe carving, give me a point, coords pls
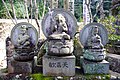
(59, 41)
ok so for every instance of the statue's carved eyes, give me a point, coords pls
(61, 21)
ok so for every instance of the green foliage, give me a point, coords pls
(3, 12)
(40, 77)
(78, 13)
(116, 9)
(77, 50)
(19, 9)
(114, 37)
(41, 8)
(108, 23)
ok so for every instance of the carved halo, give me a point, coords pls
(87, 30)
(70, 20)
(31, 31)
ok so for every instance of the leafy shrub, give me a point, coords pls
(108, 23)
(19, 9)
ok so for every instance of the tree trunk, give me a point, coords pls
(36, 16)
(13, 9)
(8, 11)
(26, 9)
(31, 6)
(44, 9)
(99, 7)
(89, 10)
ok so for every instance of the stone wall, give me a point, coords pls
(114, 61)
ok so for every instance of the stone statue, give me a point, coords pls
(59, 41)
(24, 37)
(60, 28)
(94, 41)
(94, 49)
(94, 37)
(24, 45)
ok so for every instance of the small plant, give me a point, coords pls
(40, 77)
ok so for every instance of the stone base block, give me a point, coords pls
(22, 67)
(90, 67)
(58, 66)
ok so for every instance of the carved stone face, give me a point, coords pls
(23, 29)
(60, 18)
(60, 25)
(95, 30)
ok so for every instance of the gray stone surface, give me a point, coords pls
(87, 31)
(24, 37)
(93, 39)
(32, 32)
(58, 48)
(22, 67)
(58, 66)
(70, 19)
(114, 61)
(90, 67)
(95, 56)
(114, 73)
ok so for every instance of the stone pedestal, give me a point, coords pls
(90, 67)
(58, 66)
(22, 67)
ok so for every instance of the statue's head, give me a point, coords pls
(23, 29)
(61, 23)
(95, 30)
(59, 18)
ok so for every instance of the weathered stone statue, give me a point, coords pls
(24, 38)
(94, 49)
(59, 42)
(24, 41)
(59, 27)
(93, 37)
(94, 41)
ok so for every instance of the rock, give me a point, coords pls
(114, 61)
(113, 77)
